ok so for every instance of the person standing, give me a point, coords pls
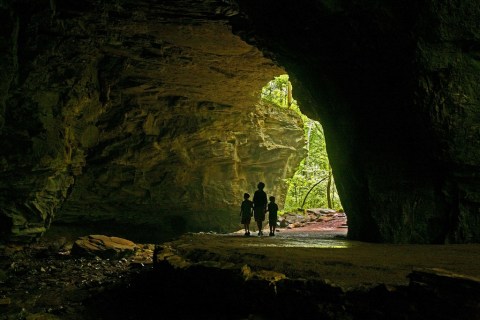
(272, 215)
(246, 212)
(260, 206)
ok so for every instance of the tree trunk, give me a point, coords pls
(307, 162)
(329, 188)
(289, 94)
(316, 184)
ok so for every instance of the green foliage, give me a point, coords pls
(315, 168)
(279, 92)
(308, 188)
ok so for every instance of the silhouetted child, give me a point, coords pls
(246, 212)
(259, 206)
(272, 215)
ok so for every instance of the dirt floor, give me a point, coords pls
(322, 251)
(45, 281)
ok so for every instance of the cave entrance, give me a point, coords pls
(312, 194)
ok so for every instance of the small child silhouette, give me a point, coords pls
(246, 212)
(272, 215)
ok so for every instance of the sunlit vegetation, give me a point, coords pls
(313, 185)
(278, 92)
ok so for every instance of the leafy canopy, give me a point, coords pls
(279, 92)
(312, 185)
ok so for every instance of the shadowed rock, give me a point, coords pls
(103, 247)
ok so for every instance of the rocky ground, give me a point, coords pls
(45, 281)
(316, 222)
(110, 278)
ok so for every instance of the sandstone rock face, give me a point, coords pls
(104, 247)
(188, 168)
(139, 113)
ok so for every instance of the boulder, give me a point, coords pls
(103, 246)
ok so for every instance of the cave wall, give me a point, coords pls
(91, 90)
(395, 85)
(186, 166)
(135, 113)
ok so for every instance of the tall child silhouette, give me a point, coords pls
(260, 206)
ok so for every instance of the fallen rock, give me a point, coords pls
(42, 316)
(264, 275)
(103, 246)
(297, 225)
(444, 294)
(283, 223)
(320, 211)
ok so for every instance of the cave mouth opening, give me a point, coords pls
(312, 187)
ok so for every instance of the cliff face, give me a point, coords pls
(146, 111)
(138, 113)
(186, 166)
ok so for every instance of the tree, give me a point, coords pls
(279, 92)
(313, 184)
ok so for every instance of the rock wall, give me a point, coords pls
(186, 166)
(395, 86)
(137, 113)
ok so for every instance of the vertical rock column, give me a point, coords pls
(49, 102)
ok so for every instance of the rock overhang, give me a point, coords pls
(145, 111)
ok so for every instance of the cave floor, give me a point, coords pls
(327, 255)
(39, 281)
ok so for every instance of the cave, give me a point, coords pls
(141, 118)
(128, 113)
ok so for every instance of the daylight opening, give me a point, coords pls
(311, 191)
